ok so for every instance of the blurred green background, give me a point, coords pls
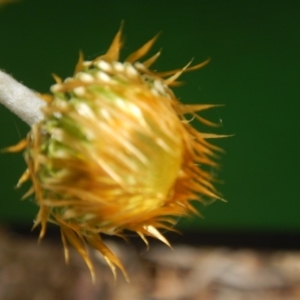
(255, 49)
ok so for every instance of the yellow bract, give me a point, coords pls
(114, 152)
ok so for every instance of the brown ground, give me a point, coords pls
(32, 272)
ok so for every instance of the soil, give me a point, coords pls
(29, 271)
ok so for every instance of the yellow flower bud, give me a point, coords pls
(114, 152)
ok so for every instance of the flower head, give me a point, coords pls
(114, 152)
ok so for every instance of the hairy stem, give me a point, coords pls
(20, 100)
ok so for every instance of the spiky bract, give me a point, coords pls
(114, 152)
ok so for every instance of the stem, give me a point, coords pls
(20, 100)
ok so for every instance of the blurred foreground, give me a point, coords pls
(38, 272)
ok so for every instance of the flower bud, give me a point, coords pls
(115, 153)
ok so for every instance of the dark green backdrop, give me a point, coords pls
(255, 49)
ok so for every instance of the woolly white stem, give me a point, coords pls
(20, 100)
